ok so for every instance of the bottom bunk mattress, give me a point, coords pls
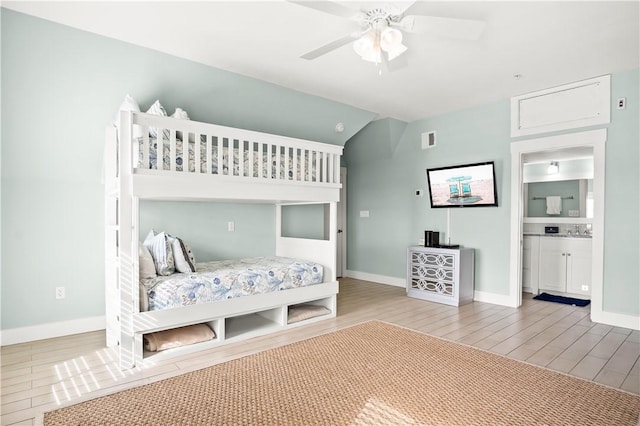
(227, 279)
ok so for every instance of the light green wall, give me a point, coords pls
(622, 199)
(60, 87)
(621, 288)
(563, 188)
(304, 221)
(384, 180)
(204, 226)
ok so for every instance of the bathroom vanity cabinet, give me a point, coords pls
(530, 263)
(565, 265)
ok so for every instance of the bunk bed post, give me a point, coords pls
(333, 236)
(127, 273)
(110, 236)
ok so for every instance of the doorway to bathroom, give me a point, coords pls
(523, 152)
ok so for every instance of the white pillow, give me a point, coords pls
(160, 249)
(183, 256)
(129, 104)
(158, 109)
(147, 267)
(180, 114)
(149, 236)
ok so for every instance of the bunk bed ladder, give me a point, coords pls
(121, 257)
(112, 311)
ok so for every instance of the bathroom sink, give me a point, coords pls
(566, 235)
(558, 235)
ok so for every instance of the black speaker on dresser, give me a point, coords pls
(431, 238)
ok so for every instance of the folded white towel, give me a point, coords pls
(554, 205)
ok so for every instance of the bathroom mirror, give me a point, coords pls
(575, 196)
(559, 175)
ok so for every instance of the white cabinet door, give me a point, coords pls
(579, 266)
(530, 263)
(553, 264)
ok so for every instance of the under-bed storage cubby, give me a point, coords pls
(181, 340)
(304, 313)
(258, 323)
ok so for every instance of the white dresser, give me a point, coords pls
(440, 275)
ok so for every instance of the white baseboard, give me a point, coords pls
(496, 299)
(47, 331)
(616, 320)
(380, 279)
(609, 318)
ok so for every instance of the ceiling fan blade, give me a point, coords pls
(328, 7)
(322, 50)
(401, 7)
(461, 29)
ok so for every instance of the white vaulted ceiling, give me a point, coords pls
(547, 43)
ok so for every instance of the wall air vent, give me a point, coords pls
(428, 140)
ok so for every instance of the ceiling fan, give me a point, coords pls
(378, 37)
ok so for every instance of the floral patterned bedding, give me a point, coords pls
(270, 161)
(226, 279)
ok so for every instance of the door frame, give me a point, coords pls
(595, 139)
(341, 255)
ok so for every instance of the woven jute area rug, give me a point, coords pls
(373, 373)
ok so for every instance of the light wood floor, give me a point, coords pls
(44, 375)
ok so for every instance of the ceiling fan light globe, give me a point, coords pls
(390, 38)
(373, 55)
(363, 44)
(367, 48)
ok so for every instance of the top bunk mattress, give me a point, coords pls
(227, 279)
(275, 164)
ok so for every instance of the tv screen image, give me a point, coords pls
(467, 185)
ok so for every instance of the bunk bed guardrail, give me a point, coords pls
(225, 152)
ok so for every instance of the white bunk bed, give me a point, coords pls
(283, 171)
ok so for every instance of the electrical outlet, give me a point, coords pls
(622, 103)
(585, 288)
(60, 293)
(364, 213)
(421, 242)
(231, 226)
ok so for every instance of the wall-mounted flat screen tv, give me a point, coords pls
(467, 185)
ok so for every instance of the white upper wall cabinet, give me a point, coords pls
(579, 104)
